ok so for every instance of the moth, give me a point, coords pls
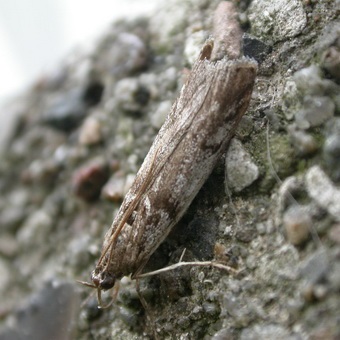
(184, 153)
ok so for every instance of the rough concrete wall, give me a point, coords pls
(270, 210)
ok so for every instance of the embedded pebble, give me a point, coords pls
(87, 182)
(274, 20)
(334, 233)
(79, 250)
(246, 233)
(255, 48)
(193, 45)
(266, 332)
(9, 245)
(314, 268)
(128, 182)
(223, 334)
(241, 171)
(288, 188)
(113, 190)
(93, 93)
(5, 275)
(334, 276)
(90, 132)
(331, 61)
(316, 110)
(297, 223)
(128, 54)
(323, 191)
(245, 127)
(130, 95)
(42, 171)
(11, 217)
(331, 154)
(66, 111)
(172, 19)
(49, 314)
(210, 308)
(310, 82)
(9, 121)
(158, 117)
(304, 143)
(35, 228)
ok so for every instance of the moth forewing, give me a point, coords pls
(183, 155)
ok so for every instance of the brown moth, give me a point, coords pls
(194, 136)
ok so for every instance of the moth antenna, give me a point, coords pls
(182, 255)
(189, 264)
(87, 284)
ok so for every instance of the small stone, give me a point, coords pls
(8, 245)
(79, 254)
(246, 233)
(297, 223)
(255, 48)
(241, 171)
(51, 311)
(87, 182)
(331, 61)
(331, 154)
(35, 228)
(11, 218)
(10, 116)
(5, 276)
(130, 95)
(309, 81)
(224, 255)
(334, 276)
(315, 267)
(113, 190)
(261, 228)
(290, 186)
(193, 45)
(274, 20)
(210, 308)
(223, 334)
(90, 132)
(304, 143)
(128, 182)
(323, 191)
(129, 316)
(266, 332)
(320, 291)
(315, 111)
(128, 54)
(43, 171)
(245, 127)
(334, 233)
(93, 93)
(314, 292)
(66, 111)
(158, 117)
(172, 19)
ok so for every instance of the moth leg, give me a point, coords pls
(114, 295)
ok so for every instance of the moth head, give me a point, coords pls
(103, 280)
